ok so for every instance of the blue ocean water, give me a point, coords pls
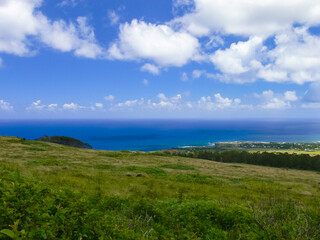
(150, 135)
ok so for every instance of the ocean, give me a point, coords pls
(151, 135)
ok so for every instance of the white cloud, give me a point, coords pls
(239, 62)
(173, 103)
(272, 75)
(178, 3)
(151, 68)
(72, 106)
(240, 57)
(5, 106)
(162, 97)
(177, 103)
(220, 103)
(290, 96)
(184, 77)
(270, 100)
(164, 103)
(109, 98)
(159, 43)
(22, 24)
(113, 17)
(176, 99)
(38, 106)
(78, 38)
(198, 73)
(145, 82)
(130, 103)
(276, 103)
(52, 106)
(215, 41)
(71, 3)
(99, 105)
(296, 58)
(247, 18)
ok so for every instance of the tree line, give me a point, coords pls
(281, 160)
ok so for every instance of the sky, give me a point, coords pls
(212, 59)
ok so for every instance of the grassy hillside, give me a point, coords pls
(50, 191)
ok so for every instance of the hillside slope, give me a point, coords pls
(148, 196)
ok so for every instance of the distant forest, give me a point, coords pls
(281, 160)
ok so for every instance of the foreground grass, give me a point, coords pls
(51, 191)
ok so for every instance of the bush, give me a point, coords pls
(28, 210)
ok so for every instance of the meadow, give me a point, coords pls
(51, 191)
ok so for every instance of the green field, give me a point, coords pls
(51, 191)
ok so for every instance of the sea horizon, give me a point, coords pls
(157, 134)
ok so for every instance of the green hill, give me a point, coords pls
(52, 191)
(68, 141)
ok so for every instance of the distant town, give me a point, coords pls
(262, 146)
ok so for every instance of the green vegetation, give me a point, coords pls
(178, 166)
(68, 141)
(60, 192)
(282, 160)
(308, 147)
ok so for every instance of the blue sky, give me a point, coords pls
(159, 59)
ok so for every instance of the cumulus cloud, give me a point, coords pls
(38, 106)
(218, 102)
(151, 68)
(247, 17)
(296, 58)
(270, 100)
(290, 96)
(173, 103)
(159, 43)
(5, 106)
(22, 23)
(163, 103)
(72, 106)
(239, 58)
(239, 62)
(177, 103)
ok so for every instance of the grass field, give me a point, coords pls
(156, 197)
